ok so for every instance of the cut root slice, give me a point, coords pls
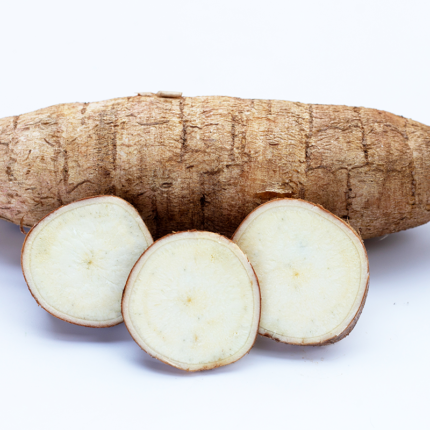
(77, 259)
(312, 268)
(193, 301)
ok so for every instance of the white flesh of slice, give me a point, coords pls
(77, 259)
(312, 269)
(193, 301)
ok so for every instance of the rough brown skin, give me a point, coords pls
(206, 162)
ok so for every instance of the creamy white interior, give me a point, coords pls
(311, 267)
(192, 302)
(78, 259)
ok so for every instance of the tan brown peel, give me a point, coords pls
(206, 162)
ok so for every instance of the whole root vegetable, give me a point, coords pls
(206, 162)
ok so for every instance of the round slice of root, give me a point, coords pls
(193, 301)
(312, 268)
(77, 259)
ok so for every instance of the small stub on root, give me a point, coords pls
(21, 226)
(169, 94)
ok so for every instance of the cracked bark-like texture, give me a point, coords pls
(206, 162)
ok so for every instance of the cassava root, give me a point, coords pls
(206, 162)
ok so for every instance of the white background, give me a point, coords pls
(363, 53)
